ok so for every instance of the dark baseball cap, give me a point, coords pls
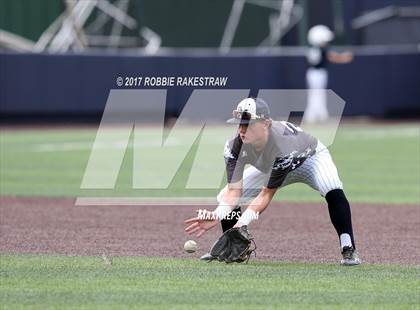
(250, 110)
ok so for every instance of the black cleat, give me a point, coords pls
(350, 257)
(207, 257)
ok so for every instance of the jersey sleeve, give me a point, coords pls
(284, 164)
(234, 166)
(281, 167)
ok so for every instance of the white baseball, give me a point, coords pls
(190, 246)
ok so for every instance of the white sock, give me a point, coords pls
(345, 240)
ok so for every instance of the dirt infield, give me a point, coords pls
(286, 232)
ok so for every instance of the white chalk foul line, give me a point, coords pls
(83, 146)
(144, 201)
(359, 134)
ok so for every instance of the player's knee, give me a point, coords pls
(326, 191)
(334, 184)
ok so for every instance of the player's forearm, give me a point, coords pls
(228, 203)
(257, 206)
(261, 202)
(340, 58)
(232, 196)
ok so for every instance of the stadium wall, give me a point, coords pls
(77, 85)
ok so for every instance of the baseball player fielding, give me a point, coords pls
(263, 157)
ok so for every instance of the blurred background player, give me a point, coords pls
(318, 57)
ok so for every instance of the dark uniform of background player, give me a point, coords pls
(318, 56)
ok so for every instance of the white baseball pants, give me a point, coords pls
(318, 171)
(316, 109)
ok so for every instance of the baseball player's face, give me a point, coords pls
(253, 133)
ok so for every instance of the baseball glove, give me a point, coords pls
(235, 245)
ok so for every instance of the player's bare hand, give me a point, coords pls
(201, 223)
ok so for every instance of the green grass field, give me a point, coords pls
(67, 282)
(378, 164)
